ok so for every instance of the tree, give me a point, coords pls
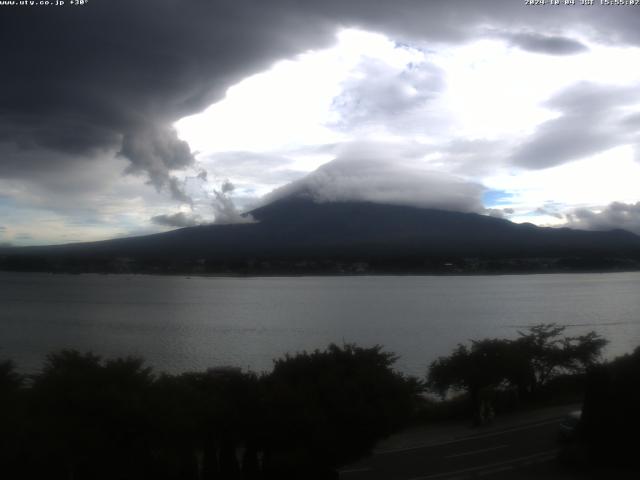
(610, 415)
(11, 417)
(482, 365)
(545, 353)
(201, 419)
(10, 380)
(88, 417)
(329, 407)
(526, 363)
(478, 370)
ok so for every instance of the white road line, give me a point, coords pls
(469, 437)
(538, 456)
(473, 452)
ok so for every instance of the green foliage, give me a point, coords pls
(336, 404)
(526, 363)
(88, 417)
(484, 363)
(85, 417)
(11, 419)
(610, 414)
(10, 380)
(549, 354)
(204, 415)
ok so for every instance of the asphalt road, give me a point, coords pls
(498, 454)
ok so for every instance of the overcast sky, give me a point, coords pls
(123, 117)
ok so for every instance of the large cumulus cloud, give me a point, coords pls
(592, 118)
(616, 215)
(115, 74)
(382, 94)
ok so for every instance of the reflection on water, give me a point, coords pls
(180, 323)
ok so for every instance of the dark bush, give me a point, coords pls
(611, 414)
(82, 417)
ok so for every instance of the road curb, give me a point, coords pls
(491, 431)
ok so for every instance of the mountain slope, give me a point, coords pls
(295, 228)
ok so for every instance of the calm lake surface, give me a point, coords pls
(183, 323)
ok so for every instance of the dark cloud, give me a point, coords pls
(180, 219)
(157, 151)
(459, 20)
(78, 83)
(224, 207)
(547, 44)
(632, 121)
(591, 120)
(19, 163)
(75, 185)
(498, 212)
(80, 79)
(615, 215)
(551, 211)
(114, 75)
(369, 173)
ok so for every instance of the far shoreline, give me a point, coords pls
(328, 274)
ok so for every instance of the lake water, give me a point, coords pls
(183, 323)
